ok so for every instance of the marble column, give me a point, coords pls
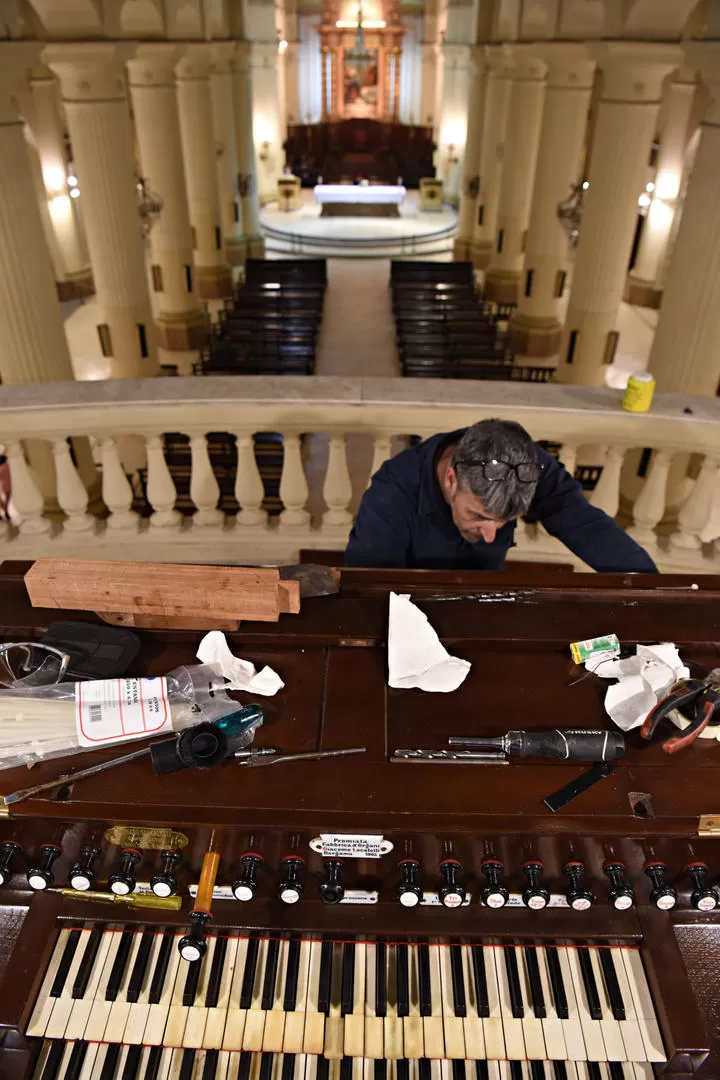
(429, 86)
(685, 354)
(536, 327)
(247, 178)
(47, 129)
(503, 275)
(92, 80)
(180, 320)
(644, 284)
(471, 162)
(633, 74)
(492, 151)
(223, 110)
(325, 53)
(292, 86)
(267, 133)
(213, 279)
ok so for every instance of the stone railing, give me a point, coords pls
(77, 499)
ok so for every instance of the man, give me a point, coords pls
(452, 502)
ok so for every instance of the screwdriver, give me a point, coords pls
(567, 745)
(133, 900)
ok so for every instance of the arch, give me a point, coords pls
(658, 18)
(141, 18)
(80, 18)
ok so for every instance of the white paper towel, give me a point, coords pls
(416, 657)
(214, 649)
(643, 680)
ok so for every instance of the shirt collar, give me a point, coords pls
(431, 499)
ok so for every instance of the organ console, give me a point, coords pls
(358, 918)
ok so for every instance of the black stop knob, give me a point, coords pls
(123, 882)
(331, 888)
(620, 894)
(451, 893)
(494, 895)
(8, 850)
(291, 887)
(41, 876)
(82, 875)
(409, 891)
(245, 886)
(535, 895)
(663, 896)
(193, 946)
(578, 895)
(164, 883)
(704, 897)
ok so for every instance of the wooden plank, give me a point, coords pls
(289, 597)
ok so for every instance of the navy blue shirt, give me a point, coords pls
(405, 521)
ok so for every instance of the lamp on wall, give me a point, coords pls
(264, 152)
(149, 205)
(570, 211)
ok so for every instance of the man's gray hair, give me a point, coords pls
(500, 440)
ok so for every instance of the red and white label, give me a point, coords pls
(116, 710)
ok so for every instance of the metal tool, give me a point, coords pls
(70, 778)
(697, 700)
(132, 900)
(578, 786)
(565, 745)
(253, 761)
(474, 757)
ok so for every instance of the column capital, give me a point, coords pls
(222, 54)
(569, 66)
(154, 65)
(89, 72)
(263, 54)
(527, 63)
(633, 71)
(705, 57)
(195, 62)
(499, 59)
(241, 57)
(15, 67)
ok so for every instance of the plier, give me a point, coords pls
(697, 700)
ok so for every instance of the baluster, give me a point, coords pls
(204, 488)
(337, 489)
(161, 493)
(26, 496)
(606, 495)
(568, 457)
(650, 504)
(383, 447)
(117, 492)
(249, 490)
(71, 492)
(695, 512)
(293, 485)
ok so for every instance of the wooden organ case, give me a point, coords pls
(617, 985)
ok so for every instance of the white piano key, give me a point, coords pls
(612, 1037)
(217, 1016)
(177, 1013)
(453, 1030)
(62, 1009)
(591, 1029)
(140, 1009)
(120, 1007)
(413, 1037)
(512, 1025)
(236, 1017)
(314, 1031)
(176, 1061)
(158, 1013)
(100, 1009)
(222, 1069)
(433, 1030)
(644, 1009)
(531, 1026)
(572, 1028)
(198, 1065)
(392, 1024)
(493, 1068)
(630, 1027)
(355, 1021)
(294, 1030)
(643, 1070)
(492, 1025)
(194, 1033)
(472, 1024)
(374, 1031)
(551, 1025)
(255, 1020)
(88, 1064)
(335, 1024)
(44, 1004)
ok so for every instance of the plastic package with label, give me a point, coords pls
(42, 722)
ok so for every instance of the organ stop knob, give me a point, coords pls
(704, 897)
(409, 891)
(578, 895)
(164, 883)
(41, 876)
(535, 895)
(663, 896)
(494, 895)
(451, 893)
(620, 894)
(82, 875)
(291, 887)
(8, 851)
(123, 882)
(331, 888)
(245, 887)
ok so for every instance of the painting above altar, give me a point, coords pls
(360, 85)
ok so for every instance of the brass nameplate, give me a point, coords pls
(146, 839)
(709, 825)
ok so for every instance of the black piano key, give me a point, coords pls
(348, 979)
(53, 1061)
(110, 1063)
(191, 981)
(119, 965)
(481, 1069)
(616, 1070)
(458, 981)
(403, 980)
(87, 963)
(346, 1068)
(323, 1068)
(288, 1067)
(142, 958)
(216, 970)
(481, 991)
(266, 1066)
(424, 982)
(536, 991)
(161, 965)
(245, 1062)
(248, 982)
(152, 1069)
(291, 977)
(77, 1060)
(131, 1068)
(403, 1069)
(424, 1069)
(271, 966)
(592, 998)
(559, 1071)
(458, 1069)
(516, 1001)
(516, 1070)
(556, 982)
(593, 1070)
(211, 1063)
(380, 1069)
(187, 1065)
(325, 981)
(381, 979)
(607, 963)
(537, 1070)
(65, 961)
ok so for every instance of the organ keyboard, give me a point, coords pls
(376, 920)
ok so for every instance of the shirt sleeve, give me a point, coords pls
(588, 532)
(383, 528)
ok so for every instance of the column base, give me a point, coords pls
(235, 250)
(643, 293)
(481, 254)
(213, 282)
(182, 333)
(502, 286)
(76, 286)
(462, 248)
(535, 337)
(254, 247)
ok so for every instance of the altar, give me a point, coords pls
(359, 200)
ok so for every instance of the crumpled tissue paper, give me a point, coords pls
(416, 657)
(643, 680)
(214, 649)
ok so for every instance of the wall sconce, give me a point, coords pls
(264, 151)
(452, 158)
